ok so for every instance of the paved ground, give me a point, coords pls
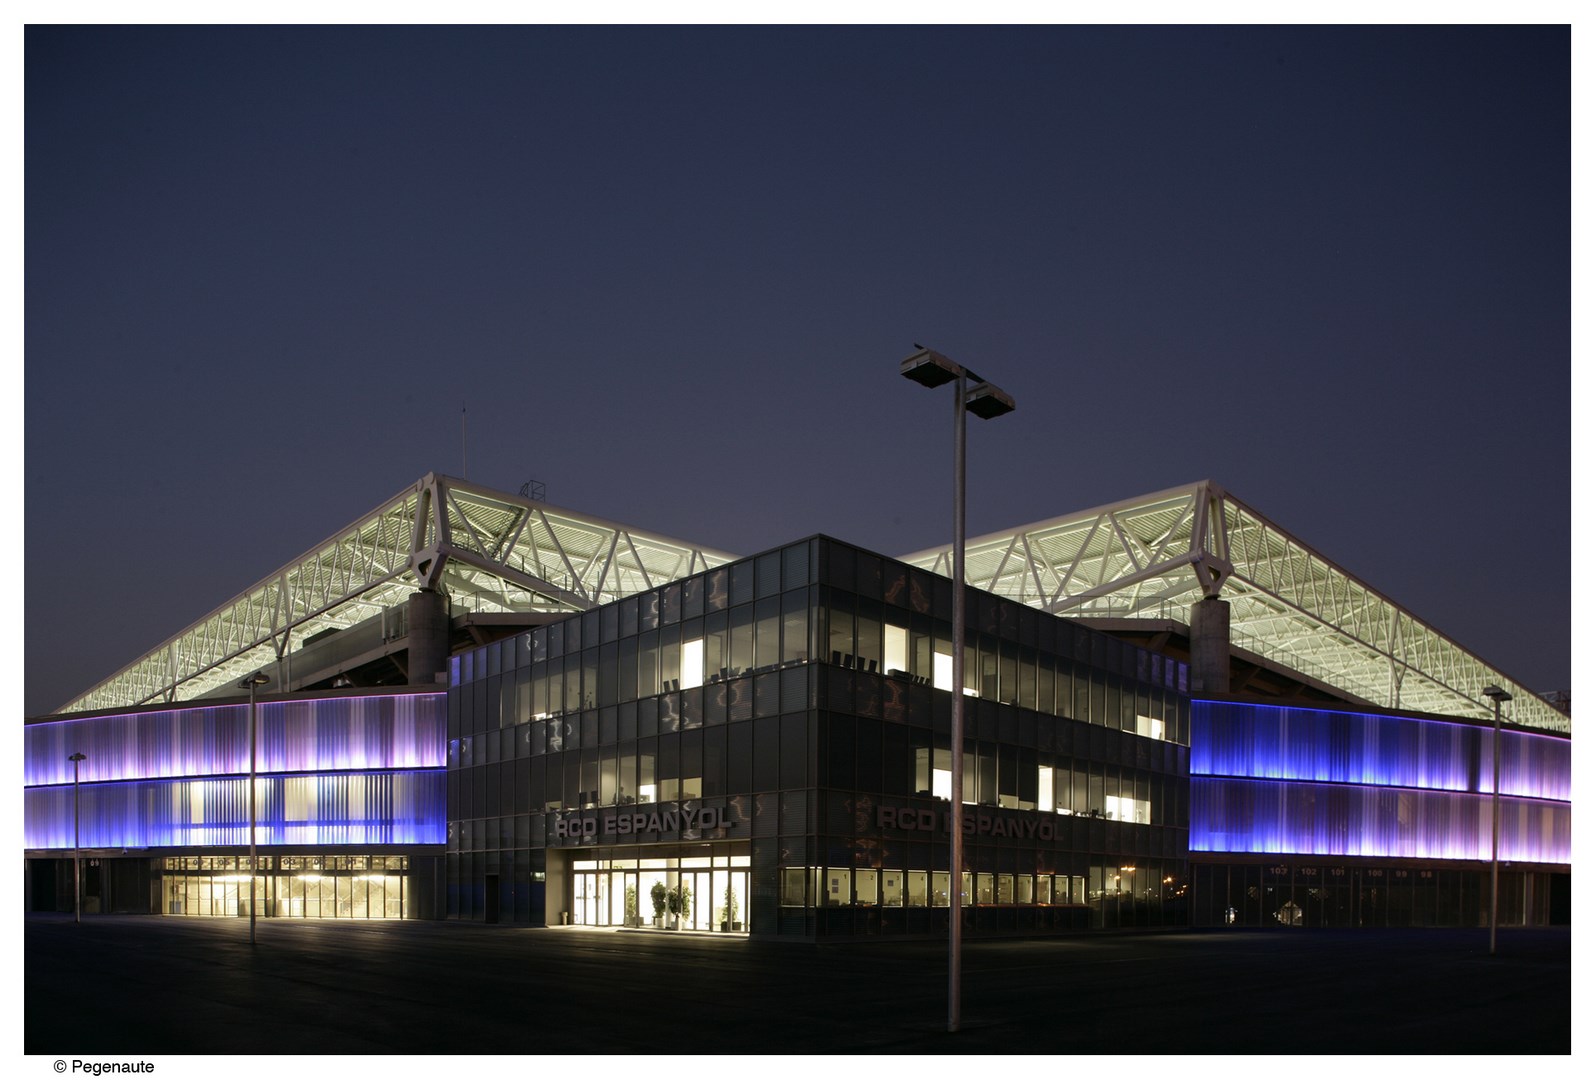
(142, 984)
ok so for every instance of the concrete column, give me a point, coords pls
(557, 885)
(1210, 646)
(428, 616)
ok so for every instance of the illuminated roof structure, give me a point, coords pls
(1147, 559)
(491, 551)
(1153, 557)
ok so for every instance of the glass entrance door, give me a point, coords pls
(714, 894)
(591, 907)
(701, 917)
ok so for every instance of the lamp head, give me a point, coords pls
(987, 401)
(257, 679)
(929, 368)
(1497, 694)
(78, 757)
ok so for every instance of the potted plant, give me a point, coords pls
(684, 901)
(673, 900)
(631, 907)
(728, 914)
(657, 897)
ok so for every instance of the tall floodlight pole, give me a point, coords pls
(1497, 696)
(77, 872)
(251, 683)
(930, 368)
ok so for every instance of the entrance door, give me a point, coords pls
(606, 897)
(591, 899)
(583, 886)
(730, 894)
(625, 901)
(701, 891)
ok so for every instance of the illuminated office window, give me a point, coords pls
(895, 649)
(692, 663)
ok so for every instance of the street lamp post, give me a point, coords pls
(77, 871)
(931, 369)
(251, 683)
(1497, 696)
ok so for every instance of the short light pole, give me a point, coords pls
(931, 369)
(251, 683)
(77, 870)
(1497, 696)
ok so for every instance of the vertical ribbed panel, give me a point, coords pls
(385, 731)
(350, 808)
(1274, 817)
(1277, 743)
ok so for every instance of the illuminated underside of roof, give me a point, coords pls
(1151, 557)
(490, 551)
(1155, 556)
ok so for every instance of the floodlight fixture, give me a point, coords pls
(1497, 694)
(929, 368)
(987, 401)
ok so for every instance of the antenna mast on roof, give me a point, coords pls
(464, 466)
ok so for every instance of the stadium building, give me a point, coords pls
(479, 706)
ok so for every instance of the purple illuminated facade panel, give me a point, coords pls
(1274, 817)
(377, 731)
(1270, 742)
(330, 808)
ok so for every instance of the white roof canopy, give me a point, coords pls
(1151, 557)
(1155, 556)
(491, 551)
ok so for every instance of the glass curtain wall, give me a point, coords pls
(796, 695)
(657, 708)
(1074, 766)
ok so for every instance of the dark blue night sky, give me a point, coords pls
(671, 272)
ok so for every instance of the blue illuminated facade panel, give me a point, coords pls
(1269, 742)
(1275, 817)
(338, 770)
(1274, 780)
(324, 809)
(331, 734)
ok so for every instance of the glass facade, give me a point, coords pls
(1308, 892)
(789, 714)
(288, 886)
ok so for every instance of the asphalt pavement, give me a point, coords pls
(128, 985)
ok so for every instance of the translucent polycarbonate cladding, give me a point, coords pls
(353, 808)
(1278, 817)
(364, 769)
(1279, 743)
(387, 731)
(1277, 780)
